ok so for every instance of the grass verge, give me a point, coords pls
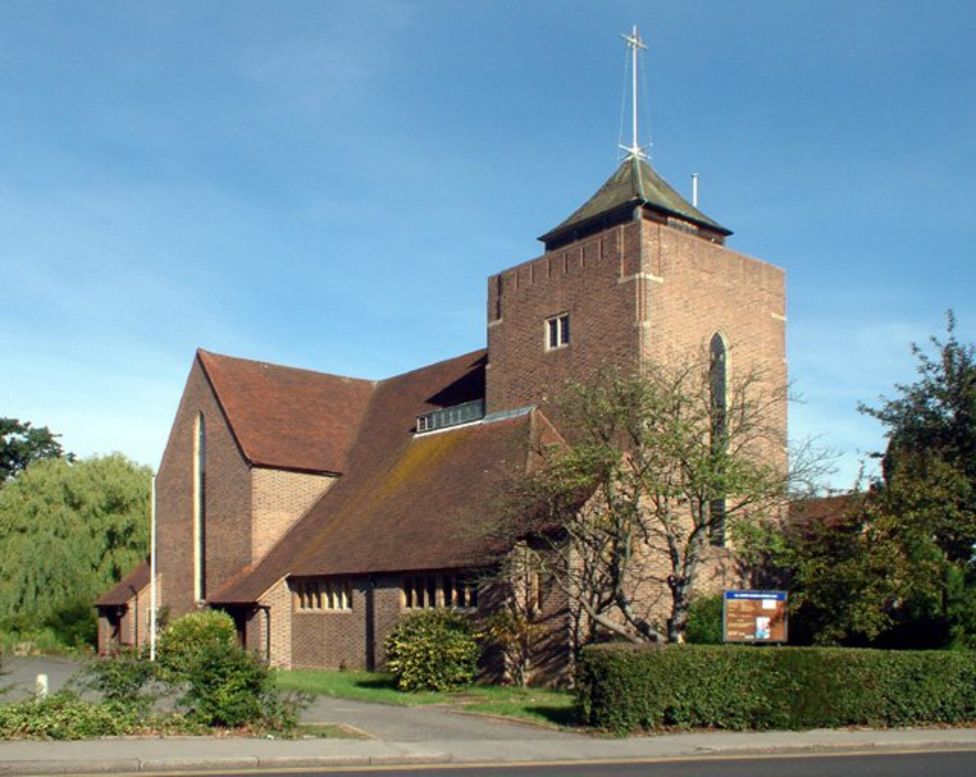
(536, 705)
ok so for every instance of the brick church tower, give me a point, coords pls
(636, 275)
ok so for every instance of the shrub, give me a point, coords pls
(182, 643)
(705, 621)
(220, 683)
(621, 688)
(434, 650)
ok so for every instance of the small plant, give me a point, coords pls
(125, 680)
(513, 632)
(434, 650)
(3, 672)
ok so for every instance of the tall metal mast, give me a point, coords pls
(634, 43)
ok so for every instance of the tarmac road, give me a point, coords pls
(951, 764)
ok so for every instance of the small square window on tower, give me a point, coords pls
(557, 331)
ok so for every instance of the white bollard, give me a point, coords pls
(41, 686)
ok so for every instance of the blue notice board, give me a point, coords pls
(754, 616)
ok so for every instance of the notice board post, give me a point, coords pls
(754, 616)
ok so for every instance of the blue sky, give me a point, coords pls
(328, 184)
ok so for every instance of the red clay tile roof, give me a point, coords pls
(137, 579)
(288, 418)
(408, 502)
(826, 510)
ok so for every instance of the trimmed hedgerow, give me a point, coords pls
(621, 688)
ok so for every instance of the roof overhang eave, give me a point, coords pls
(613, 214)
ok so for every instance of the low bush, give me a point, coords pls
(621, 688)
(434, 650)
(227, 686)
(61, 715)
(125, 680)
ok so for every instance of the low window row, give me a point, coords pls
(424, 592)
(322, 594)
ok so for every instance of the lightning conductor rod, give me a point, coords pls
(634, 43)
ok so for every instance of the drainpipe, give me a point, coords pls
(135, 615)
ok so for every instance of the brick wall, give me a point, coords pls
(335, 639)
(278, 499)
(228, 499)
(341, 639)
(273, 614)
(587, 280)
(694, 289)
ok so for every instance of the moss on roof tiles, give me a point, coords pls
(634, 183)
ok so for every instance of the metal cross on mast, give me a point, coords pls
(634, 43)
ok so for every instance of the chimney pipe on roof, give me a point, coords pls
(694, 189)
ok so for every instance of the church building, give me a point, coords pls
(319, 509)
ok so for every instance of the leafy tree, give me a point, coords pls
(844, 571)
(67, 532)
(896, 567)
(21, 443)
(631, 506)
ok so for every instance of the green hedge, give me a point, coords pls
(621, 688)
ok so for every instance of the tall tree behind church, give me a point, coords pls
(68, 530)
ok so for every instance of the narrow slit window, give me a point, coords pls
(718, 395)
(421, 592)
(320, 595)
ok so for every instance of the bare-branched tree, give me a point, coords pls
(659, 471)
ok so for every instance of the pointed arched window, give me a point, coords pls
(718, 397)
(199, 506)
